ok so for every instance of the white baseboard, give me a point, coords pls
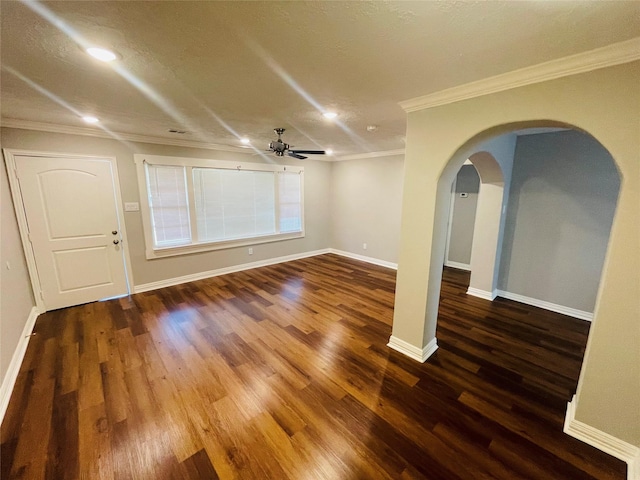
(572, 312)
(602, 441)
(169, 282)
(10, 377)
(476, 292)
(145, 287)
(411, 351)
(362, 258)
(633, 467)
(459, 266)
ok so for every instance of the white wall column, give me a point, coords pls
(486, 233)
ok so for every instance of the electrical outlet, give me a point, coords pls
(250, 251)
(364, 246)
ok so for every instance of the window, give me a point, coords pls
(168, 205)
(197, 205)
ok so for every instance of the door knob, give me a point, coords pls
(115, 242)
(114, 232)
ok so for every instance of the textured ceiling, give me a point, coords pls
(221, 69)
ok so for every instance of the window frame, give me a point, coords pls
(152, 251)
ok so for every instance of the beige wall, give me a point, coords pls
(494, 162)
(604, 103)
(16, 300)
(463, 216)
(563, 197)
(317, 178)
(366, 200)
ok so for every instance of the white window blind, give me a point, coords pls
(233, 204)
(196, 205)
(290, 204)
(168, 205)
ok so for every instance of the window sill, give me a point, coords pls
(212, 246)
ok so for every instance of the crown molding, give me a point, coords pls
(130, 137)
(358, 156)
(615, 54)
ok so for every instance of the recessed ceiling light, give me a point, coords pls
(245, 140)
(102, 54)
(90, 119)
(328, 151)
(330, 115)
(372, 128)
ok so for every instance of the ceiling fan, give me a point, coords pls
(280, 148)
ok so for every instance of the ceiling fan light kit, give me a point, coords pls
(281, 149)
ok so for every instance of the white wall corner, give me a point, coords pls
(411, 351)
(602, 441)
(476, 292)
(362, 258)
(9, 380)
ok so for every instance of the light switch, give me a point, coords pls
(131, 207)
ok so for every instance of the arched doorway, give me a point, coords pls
(462, 216)
(557, 213)
(441, 135)
(488, 221)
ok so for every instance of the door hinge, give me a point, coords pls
(41, 295)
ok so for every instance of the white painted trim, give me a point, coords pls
(476, 292)
(131, 137)
(362, 258)
(452, 202)
(176, 142)
(411, 351)
(615, 54)
(21, 216)
(123, 226)
(602, 441)
(152, 252)
(358, 156)
(145, 287)
(10, 377)
(554, 307)
(633, 467)
(458, 265)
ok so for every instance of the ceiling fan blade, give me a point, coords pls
(309, 152)
(295, 155)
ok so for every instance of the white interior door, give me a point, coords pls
(74, 229)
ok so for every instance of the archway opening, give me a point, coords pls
(560, 190)
(475, 220)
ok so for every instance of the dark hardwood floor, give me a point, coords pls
(283, 372)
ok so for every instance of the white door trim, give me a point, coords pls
(16, 195)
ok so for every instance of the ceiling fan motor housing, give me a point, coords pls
(279, 147)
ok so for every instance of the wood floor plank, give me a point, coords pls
(283, 372)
